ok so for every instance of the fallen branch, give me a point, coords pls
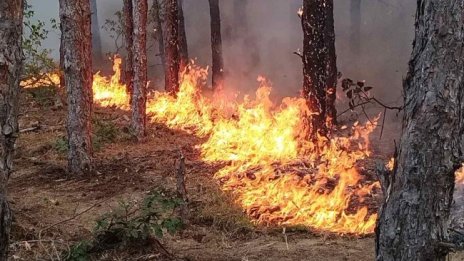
(72, 217)
(29, 129)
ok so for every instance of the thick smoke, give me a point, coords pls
(262, 41)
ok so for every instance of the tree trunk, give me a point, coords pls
(332, 71)
(355, 35)
(139, 91)
(11, 57)
(315, 63)
(413, 221)
(77, 68)
(172, 47)
(159, 32)
(96, 37)
(183, 46)
(128, 39)
(216, 46)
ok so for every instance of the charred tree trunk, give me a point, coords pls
(183, 46)
(96, 38)
(139, 91)
(172, 46)
(315, 63)
(11, 57)
(128, 39)
(159, 31)
(413, 222)
(355, 26)
(77, 68)
(216, 46)
(332, 71)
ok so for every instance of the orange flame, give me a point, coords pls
(277, 175)
(111, 92)
(261, 142)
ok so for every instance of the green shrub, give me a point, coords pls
(131, 224)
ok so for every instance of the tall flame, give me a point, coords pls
(275, 173)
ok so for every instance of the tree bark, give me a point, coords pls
(139, 91)
(77, 68)
(96, 37)
(332, 71)
(355, 35)
(314, 63)
(216, 46)
(413, 221)
(128, 39)
(183, 46)
(11, 57)
(172, 46)
(159, 32)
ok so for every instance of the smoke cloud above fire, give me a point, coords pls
(263, 39)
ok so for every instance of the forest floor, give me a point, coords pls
(53, 212)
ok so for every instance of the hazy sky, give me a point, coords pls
(386, 36)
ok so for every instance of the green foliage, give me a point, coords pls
(61, 145)
(131, 224)
(104, 132)
(44, 95)
(114, 28)
(37, 59)
(79, 252)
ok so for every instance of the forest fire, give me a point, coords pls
(276, 175)
(274, 172)
(110, 92)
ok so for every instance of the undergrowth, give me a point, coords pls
(104, 132)
(44, 95)
(131, 224)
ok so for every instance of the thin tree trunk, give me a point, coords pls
(77, 68)
(172, 47)
(96, 37)
(62, 83)
(314, 63)
(139, 91)
(332, 71)
(183, 46)
(159, 32)
(128, 39)
(216, 46)
(414, 218)
(355, 35)
(11, 57)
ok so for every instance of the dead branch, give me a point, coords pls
(29, 129)
(72, 217)
(298, 54)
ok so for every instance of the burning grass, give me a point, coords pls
(276, 175)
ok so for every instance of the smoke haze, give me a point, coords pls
(273, 32)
